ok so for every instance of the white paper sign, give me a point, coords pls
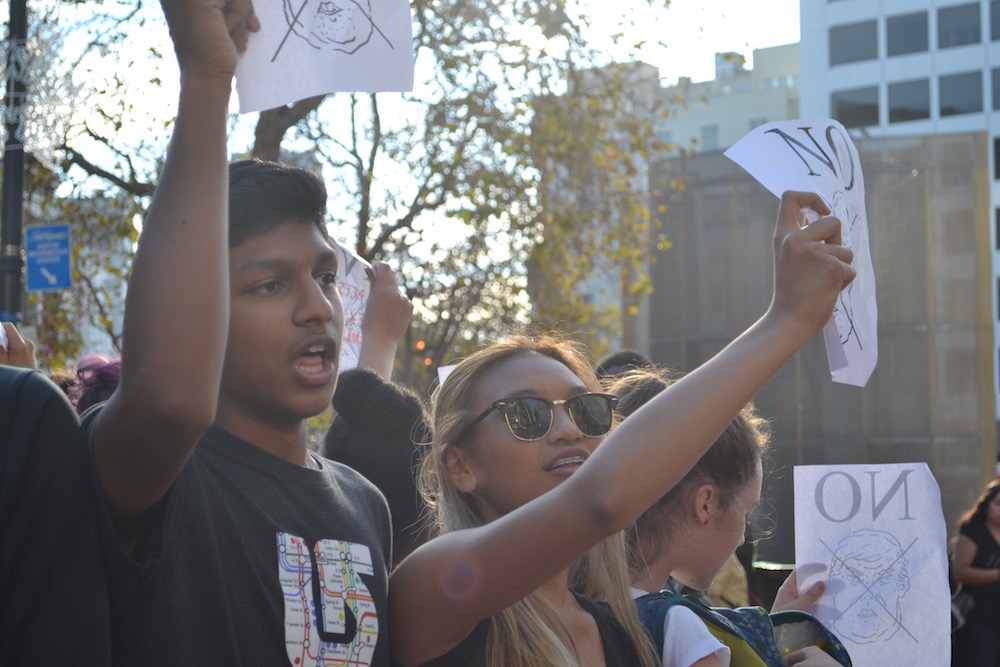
(354, 287)
(819, 156)
(880, 531)
(444, 372)
(314, 47)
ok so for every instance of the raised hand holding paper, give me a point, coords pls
(819, 156)
(314, 47)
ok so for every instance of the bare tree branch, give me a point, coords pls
(130, 186)
(274, 123)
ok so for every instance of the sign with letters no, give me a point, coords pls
(876, 534)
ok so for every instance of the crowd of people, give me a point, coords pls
(531, 514)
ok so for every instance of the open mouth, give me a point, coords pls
(315, 359)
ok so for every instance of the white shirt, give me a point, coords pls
(686, 638)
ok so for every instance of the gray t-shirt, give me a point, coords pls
(252, 560)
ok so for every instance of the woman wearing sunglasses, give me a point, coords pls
(521, 491)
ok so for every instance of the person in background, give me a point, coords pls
(620, 361)
(97, 378)
(54, 606)
(379, 426)
(695, 528)
(93, 381)
(638, 380)
(976, 565)
(64, 380)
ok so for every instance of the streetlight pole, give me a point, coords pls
(12, 208)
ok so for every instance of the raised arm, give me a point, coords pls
(176, 309)
(469, 575)
(652, 453)
(387, 314)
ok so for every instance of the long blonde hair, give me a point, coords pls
(531, 632)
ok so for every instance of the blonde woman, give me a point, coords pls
(521, 491)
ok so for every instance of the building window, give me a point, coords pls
(961, 93)
(909, 100)
(996, 157)
(958, 25)
(995, 20)
(906, 33)
(857, 107)
(853, 42)
(710, 138)
(996, 228)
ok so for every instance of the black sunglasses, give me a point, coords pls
(530, 417)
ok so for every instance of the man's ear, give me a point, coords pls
(458, 470)
(705, 503)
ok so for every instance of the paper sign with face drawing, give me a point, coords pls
(314, 47)
(876, 534)
(354, 287)
(819, 156)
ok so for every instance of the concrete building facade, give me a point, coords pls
(931, 396)
(908, 67)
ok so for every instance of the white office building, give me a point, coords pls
(707, 116)
(909, 67)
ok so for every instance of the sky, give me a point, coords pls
(683, 38)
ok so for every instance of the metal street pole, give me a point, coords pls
(12, 209)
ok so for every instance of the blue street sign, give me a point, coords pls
(46, 254)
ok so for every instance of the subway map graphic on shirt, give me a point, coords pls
(330, 617)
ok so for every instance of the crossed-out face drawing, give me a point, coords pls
(337, 25)
(868, 579)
